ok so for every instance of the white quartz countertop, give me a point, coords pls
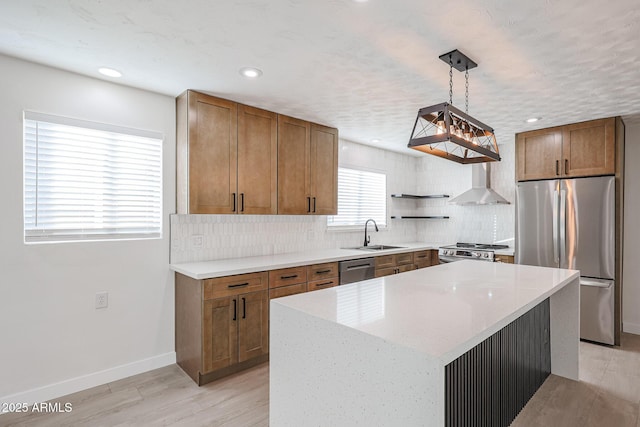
(228, 267)
(441, 311)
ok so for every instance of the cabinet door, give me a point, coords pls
(294, 145)
(324, 170)
(381, 272)
(422, 259)
(538, 154)
(219, 333)
(257, 161)
(406, 258)
(589, 148)
(212, 154)
(253, 324)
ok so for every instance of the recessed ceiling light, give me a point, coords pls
(533, 119)
(110, 72)
(375, 140)
(360, 1)
(250, 72)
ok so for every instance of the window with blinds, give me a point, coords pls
(361, 195)
(90, 181)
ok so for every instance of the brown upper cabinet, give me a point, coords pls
(232, 158)
(581, 149)
(227, 157)
(307, 168)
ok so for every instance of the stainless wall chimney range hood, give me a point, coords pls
(480, 192)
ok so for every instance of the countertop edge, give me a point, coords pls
(212, 269)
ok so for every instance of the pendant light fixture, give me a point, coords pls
(445, 131)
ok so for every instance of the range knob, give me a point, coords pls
(476, 254)
(486, 255)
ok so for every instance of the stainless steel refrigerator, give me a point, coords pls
(570, 223)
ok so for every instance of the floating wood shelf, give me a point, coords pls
(411, 196)
(420, 217)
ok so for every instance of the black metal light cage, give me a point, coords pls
(445, 131)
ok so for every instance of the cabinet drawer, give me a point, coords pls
(322, 271)
(422, 259)
(381, 272)
(221, 287)
(287, 276)
(406, 258)
(385, 261)
(405, 267)
(322, 284)
(284, 291)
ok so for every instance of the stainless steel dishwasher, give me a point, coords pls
(357, 270)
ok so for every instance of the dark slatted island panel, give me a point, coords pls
(491, 383)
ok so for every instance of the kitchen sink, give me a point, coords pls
(378, 247)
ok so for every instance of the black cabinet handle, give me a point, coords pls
(323, 271)
(235, 309)
(557, 167)
(244, 308)
(239, 285)
(289, 277)
(566, 166)
(308, 204)
(314, 204)
(241, 202)
(234, 202)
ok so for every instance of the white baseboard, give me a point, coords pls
(632, 328)
(73, 385)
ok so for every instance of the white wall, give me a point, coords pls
(53, 340)
(477, 224)
(231, 236)
(631, 264)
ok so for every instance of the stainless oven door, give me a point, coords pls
(447, 259)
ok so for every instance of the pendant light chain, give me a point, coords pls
(466, 90)
(450, 80)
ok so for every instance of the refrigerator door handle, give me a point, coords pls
(563, 226)
(554, 227)
(596, 283)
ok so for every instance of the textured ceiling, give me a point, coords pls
(365, 68)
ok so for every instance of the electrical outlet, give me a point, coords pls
(196, 240)
(102, 299)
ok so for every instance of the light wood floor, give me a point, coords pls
(607, 395)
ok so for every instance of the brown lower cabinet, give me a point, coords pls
(504, 258)
(387, 265)
(222, 324)
(426, 258)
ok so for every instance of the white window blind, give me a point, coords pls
(361, 195)
(88, 181)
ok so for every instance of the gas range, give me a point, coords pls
(476, 251)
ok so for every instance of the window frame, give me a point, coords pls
(359, 227)
(89, 234)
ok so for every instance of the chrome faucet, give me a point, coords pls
(367, 239)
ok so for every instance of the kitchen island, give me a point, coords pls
(438, 346)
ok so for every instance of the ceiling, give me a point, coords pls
(363, 67)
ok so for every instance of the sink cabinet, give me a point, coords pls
(387, 265)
